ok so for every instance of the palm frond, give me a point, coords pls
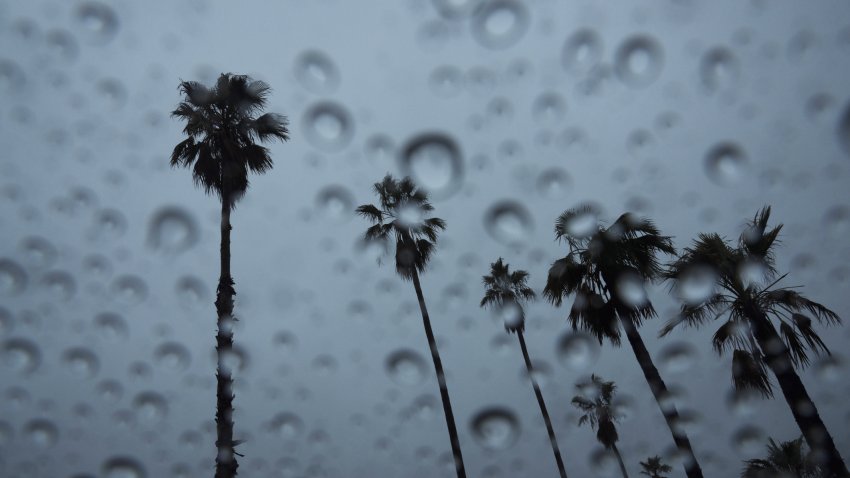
(370, 212)
(565, 276)
(792, 301)
(697, 315)
(257, 157)
(270, 126)
(750, 374)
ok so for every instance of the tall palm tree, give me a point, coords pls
(784, 460)
(750, 305)
(403, 217)
(595, 404)
(507, 291)
(223, 130)
(653, 467)
(605, 270)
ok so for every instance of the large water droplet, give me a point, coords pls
(21, 355)
(13, 278)
(82, 362)
(98, 21)
(499, 24)
(328, 126)
(584, 223)
(725, 163)
(317, 72)
(172, 229)
(123, 467)
(406, 367)
(577, 350)
(697, 284)
(335, 202)
(639, 60)
(434, 162)
(495, 428)
(508, 222)
(630, 289)
(582, 51)
(719, 68)
(42, 433)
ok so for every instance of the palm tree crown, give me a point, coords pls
(653, 467)
(402, 216)
(784, 460)
(595, 403)
(223, 130)
(505, 288)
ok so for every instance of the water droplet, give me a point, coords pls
(173, 355)
(191, 291)
(582, 51)
(6, 433)
(335, 202)
(630, 289)
(508, 222)
(82, 362)
(678, 357)
(379, 147)
(499, 24)
(111, 326)
(836, 219)
(553, 183)
(406, 367)
(286, 425)
(110, 390)
(12, 77)
(454, 8)
(130, 289)
(317, 72)
(150, 406)
(123, 467)
(97, 265)
(172, 230)
(719, 69)
(286, 341)
(748, 440)
(584, 223)
(98, 22)
(324, 364)
(62, 45)
(446, 81)
(725, 163)
(511, 315)
(697, 284)
(639, 60)
(831, 368)
(753, 272)
(13, 278)
(577, 350)
(113, 92)
(38, 252)
(21, 355)
(61, 284)
(604, 462)
(6, 321)
(434, 162)
(495, 428)
(541, 372)
(41, 432)
(549, 107)
(328, 126)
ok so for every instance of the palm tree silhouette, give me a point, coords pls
(784, 460)
(223, 130)
(653, 467)
(507, 291)
(402, 217)
(750, 307)
(605, 270)
(595, 402)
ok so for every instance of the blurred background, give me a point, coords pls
(693, 113)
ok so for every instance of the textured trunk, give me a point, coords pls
(620, 460)
(802, 407)
(552, 439)
(225, 461)
(441, 379)
(659, 390)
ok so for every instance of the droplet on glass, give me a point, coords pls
(499, 24)
(123, 467)
(328, 126)
(98, 22)
(630, 290)
(843, 129)
(582, 51)
(150, 406)
(697, 284)
(191, 291)
(719, 69)
(38, 252)
(434, 162)
(678, 357)
(725, 163)
(748, 440)
(130, 289)
(13, 278)
(406, 367)
(172, 230)
(639, 60)
(508, 222)
(60, 284)
(317, 72)
(82, 362)
(549, 107)
(111, 326)
(335, 202)
(21, 355)
(553, 183)
(577, 350)
(173, 355)
(62, 45)
(495, 428)
(584, 223)
(41, 432)
(446, 81)
(286, 425)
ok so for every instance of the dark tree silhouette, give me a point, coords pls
(403, 218)
(223, 130)
(507, 291)
(653, 467)
(594, 401)
(605, 270)
(784, 460)
(750, 305)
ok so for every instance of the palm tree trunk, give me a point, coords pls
(659, 390)
(802, 407)
(552, 439)
(441, 379)
(225, 461)
(620, 460)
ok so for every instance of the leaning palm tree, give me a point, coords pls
(784, 460)
(402, 218)
(507, 291)
(595, 403)
(653, 467)
(605, 269)
(223, 130)
(750, 303)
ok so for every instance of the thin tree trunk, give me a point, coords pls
(620, 460)
(441, 379)
(659, 390)
(225, 461)
(552, 439)
(802, 407)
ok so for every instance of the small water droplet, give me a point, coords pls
(630, 289)
(549, 107)
(499, 24)
(41, 432)
(725, 163)
(719, 69)
(553, 183)
(191, 291)
(98, 21)
(21, 355)
(328, 126)
(317, 72)
(286, 425)
(173, 355)
(62, 45)
(582, 51)
(110, 390)
(454, 8)
(38, 252)
(678, 357)
(584, 223)
(697, 284)
(13, 278)
(577, 350)
(113, 92)
(150, 406)
(843, 129)
(434, 162)
(446, 81)
(60, 284)
(748, 440)
(406, 367)
(508, 222)
(495, 428)
(836, 220)
(831, 368)
(335, 202)
(639, 60)
(82, 362)
(130, 289)
(172, 230)
(123, 467)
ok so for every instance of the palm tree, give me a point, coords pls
(750, 305)
(653, 467)
(402, 217)
(507, 291)
(223, 130)
(784, 460)
(598, 411)
(605, 270)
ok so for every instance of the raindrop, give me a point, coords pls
(584, 223)
(639, 60)
(843, 130)
(110, 390)
(379, 147)
(113, 92)
(317, 72)
(111, 326)
(748, 440)
(582, 51)
(831, 368)
(406, 367)
(38, 252)
(328, 126)
(324, 364)
(12, 78)
(678, 357)
(130, 289)
(630, 290)
(495, 428)
(499, 24)
(818, 104)
(191, 291)
(455, 8)
(285, 341)
(500, 108)
(541, 372)
(446, 81)
(172, 229)
(549, 107)
(123, 467)
(173, 355)
(719, 68)
(6, 321)
(511, 315)
(604, 462)
(433, 161)
(6, 433)
(508, 222)
(97, 265)
(725, 163)
(836, 219)
(62, 45)
(22, 355)
(335, 202)
(697, 284)
(110, 224)
(286, 425)
(98, 21)
(82, 362)
(61, 284)
(41, 432)
(150, 406)
(577, 350)
(13, 278)
(553, 183)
